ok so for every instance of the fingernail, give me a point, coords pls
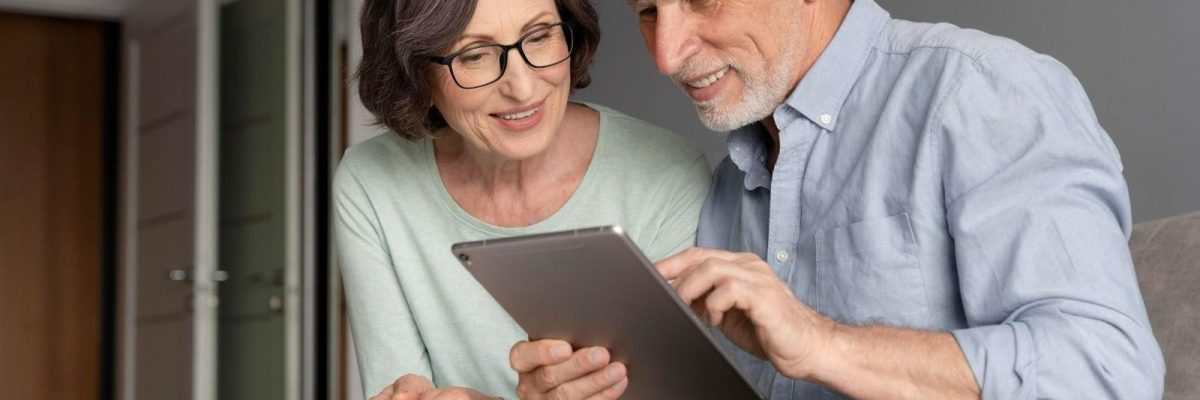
(560, 352)
(597, 356)
(613, 372)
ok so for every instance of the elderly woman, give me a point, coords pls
(484, 144)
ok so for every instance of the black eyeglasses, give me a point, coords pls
(480, 66)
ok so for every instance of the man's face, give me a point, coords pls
(734, 58)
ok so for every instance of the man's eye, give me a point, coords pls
(648, 13)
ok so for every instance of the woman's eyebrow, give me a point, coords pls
(539, 18)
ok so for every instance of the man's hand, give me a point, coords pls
(754, 309)
(416, 387)
(549, 369)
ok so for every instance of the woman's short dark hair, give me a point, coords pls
(397, 35)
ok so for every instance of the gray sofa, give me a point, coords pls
(1166, 254)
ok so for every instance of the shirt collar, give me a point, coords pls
(748, 151)
(820, 93)
(825, 87)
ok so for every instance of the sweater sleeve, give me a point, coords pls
(386, 339)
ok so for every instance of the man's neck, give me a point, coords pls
(826, 18)
(772, 142)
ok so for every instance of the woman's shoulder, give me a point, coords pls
(375, 160)
(644, 142)
(385, 150)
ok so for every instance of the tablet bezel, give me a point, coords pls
(604, 262)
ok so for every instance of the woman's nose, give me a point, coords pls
(519, 79)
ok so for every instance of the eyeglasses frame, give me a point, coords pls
(505, 49)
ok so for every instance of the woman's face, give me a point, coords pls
(518, 116)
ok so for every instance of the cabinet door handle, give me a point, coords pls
(180, 275)
(275, 304)
(186, 275)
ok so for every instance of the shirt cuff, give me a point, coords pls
(1001, 357)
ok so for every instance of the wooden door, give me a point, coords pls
(52, 120)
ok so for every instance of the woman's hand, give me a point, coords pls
(416, 387)
(549, 369)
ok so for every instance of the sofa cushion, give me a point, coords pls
(1166, 254)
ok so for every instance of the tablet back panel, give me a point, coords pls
(593, 287)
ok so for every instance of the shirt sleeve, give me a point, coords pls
(386, 339)
(1040, 217)
(681, 201)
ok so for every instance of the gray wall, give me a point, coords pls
(1139, 60)
(624, 78)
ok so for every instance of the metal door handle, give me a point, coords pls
(185, 275)
(275, 304)
(179, 275)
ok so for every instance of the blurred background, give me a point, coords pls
(165, 164)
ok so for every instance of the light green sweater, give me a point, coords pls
(414, 309)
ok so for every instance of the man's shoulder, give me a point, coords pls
(946, 49)
(949, 40)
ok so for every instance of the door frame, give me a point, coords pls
(311, 141)
(205, 214)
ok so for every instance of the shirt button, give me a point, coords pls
(782, 256)
(826, 119)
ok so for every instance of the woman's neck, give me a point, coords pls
(479, 168)
(508, 192)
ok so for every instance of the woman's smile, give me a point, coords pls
(520, 119)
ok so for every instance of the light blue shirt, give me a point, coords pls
(944, 179)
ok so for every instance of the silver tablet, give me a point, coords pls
(593, 287)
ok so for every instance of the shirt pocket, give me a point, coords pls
(868, 272)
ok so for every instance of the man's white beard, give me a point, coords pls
(760, 96)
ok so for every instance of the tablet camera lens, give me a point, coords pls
(463, 257)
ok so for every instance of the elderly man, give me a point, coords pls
(907, 211)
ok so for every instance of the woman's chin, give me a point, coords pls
(520, 150)
(525, 144)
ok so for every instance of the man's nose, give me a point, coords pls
(674, 39)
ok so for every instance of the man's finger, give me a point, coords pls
(699, 308)
(527, 356)
(753, 262)
(583, 362)
(724, 298)
(671, 267)
(707, 276)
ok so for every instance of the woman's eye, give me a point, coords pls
(538, 38)
(471, 58)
